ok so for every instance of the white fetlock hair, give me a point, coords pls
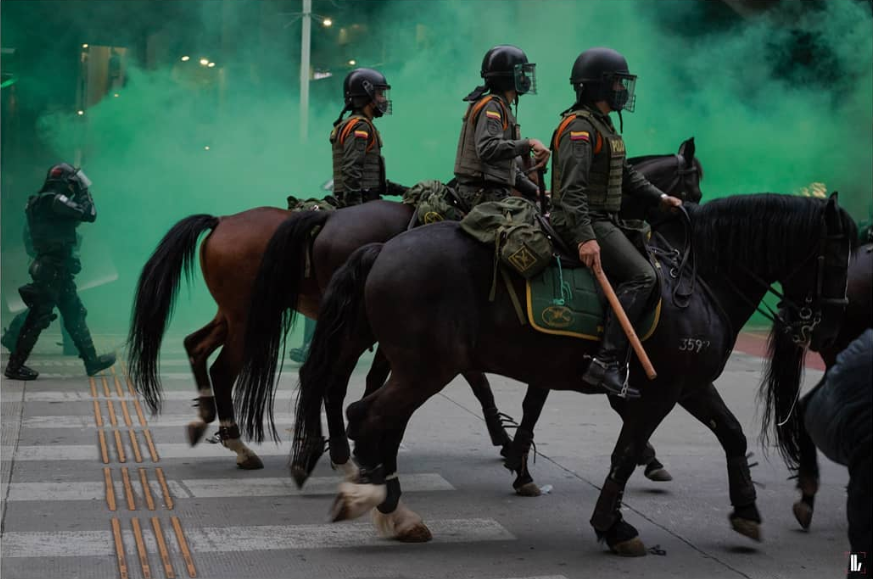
(349, 470)
(402, 524)
(357, 499)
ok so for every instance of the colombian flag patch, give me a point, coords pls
(579, 136)
(492, 115)
(362, 134)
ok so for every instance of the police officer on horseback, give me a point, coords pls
(490, 143)
(589, 174)
(53, 215)
(358, 165)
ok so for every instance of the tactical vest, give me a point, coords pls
(50, 233)
(469, 168)
(373, 177)
(607, 165)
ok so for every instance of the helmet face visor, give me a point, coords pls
(84, 182)
(525, 76)
(621, 91)
(380, 97)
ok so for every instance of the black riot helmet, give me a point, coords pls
(505, 67)
(602, 74)
(64, 178)
(363, 86)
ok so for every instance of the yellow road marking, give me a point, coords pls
(162, 547)
(112, 420)
(119, 548)
(142, 420)
(140, 547)
(183, 544)
(120, 447)
(110, 489)
(128, 490)
(168, 500)
(130, 386)
(152, 450)
(146, 490)
(118, 389)
(112, 370)
(126, 412)
(104, 452)
(93, 387)
(106, 387)
(98, 416)
(134, 442)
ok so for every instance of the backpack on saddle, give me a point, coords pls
(510, 225)
(434, 201)
(329, 203)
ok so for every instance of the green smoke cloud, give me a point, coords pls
(776, 102)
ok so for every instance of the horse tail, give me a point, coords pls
(340, 318)
(153, 303)
(272, 313)
(779, 393)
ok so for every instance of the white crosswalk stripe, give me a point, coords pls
(206, 488)
(245, 538)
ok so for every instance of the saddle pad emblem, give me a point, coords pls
(557, 316)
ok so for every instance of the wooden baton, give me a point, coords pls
(625, 323)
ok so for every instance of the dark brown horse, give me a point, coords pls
(858, 317)
(436, 281)
(317, 244)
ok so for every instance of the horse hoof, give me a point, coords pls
(196, 430)
(747, 528)
(417, 534)
(528, 490)
(251, 463)
(401, 525)
(630, 548)
(803, 514)
(659, 475)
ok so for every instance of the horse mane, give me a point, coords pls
(755, 230)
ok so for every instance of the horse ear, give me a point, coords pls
(686, 149)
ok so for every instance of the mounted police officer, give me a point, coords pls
(490, 143)
(589, 174)
(358, 165)
(53, 215)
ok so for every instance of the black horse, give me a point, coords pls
(436, 280)
(858, 317)
(281, 288)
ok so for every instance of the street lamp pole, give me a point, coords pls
(305, 45)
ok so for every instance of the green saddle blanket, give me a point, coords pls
(575, 309)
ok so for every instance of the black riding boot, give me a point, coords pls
(27, 337)
(608, 369)
(93, 363)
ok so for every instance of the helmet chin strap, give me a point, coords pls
(620, 122)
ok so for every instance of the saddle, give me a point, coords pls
(566, 300)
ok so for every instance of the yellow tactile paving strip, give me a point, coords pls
(108, 419)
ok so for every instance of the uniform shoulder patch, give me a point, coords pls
(361, 134)
(493, 115)
(580, 136)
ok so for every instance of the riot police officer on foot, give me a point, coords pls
(53, 215)
(589, 174)
(358, 164)
(485, 163)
